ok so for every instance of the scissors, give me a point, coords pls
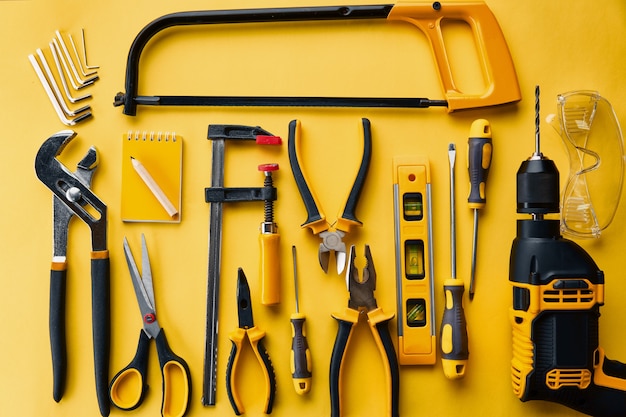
(129, 386)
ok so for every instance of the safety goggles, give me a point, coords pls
(593, 140)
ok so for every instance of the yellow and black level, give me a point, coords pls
(414, 261)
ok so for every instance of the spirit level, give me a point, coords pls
(414, 261)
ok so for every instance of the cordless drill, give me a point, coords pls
(557, 293)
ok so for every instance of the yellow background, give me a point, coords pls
(560, 45)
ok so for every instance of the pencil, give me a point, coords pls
(154, 187)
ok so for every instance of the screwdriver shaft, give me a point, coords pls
(474, 251)
(295, 278)
(451, 160)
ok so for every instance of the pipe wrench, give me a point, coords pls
(72, 196)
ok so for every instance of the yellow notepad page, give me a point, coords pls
(160, 158)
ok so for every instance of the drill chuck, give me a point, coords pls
(538, 186)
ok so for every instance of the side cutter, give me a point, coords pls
(331, 234)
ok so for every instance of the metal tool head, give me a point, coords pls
(332, 242)
(144, 290)
(361, 288)
(61, 213)
(244, 301)
(70, 188)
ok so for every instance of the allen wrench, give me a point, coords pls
(82, 35)
(51, 96)
(60, 72)
(77, 77)
(68, 73)
(80, 64)
(56, 90)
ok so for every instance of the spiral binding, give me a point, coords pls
(151, 136)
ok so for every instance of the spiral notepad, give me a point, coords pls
(158, 180)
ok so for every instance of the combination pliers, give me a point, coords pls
(331, 234)
(362, 302)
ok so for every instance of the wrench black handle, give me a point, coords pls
(58, 284)
(349, 212)
(100, 316)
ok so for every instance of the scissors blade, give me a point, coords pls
(146, 272)
(146, 305)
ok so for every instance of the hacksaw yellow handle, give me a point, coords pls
(501, 84)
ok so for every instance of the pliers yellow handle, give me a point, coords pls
(255, 336)
(378, 323)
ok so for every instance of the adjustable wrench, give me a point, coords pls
(71, 195)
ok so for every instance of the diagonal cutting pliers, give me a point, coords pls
(129, 386)
(72, 194)
(331, 234)
(362, 302)
(248, 330)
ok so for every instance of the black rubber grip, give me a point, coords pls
(313, 213)
(390, 353)
(479, 161)
(58, 283)
(100, 315)
(349, 212)
(166, 355)
(299, 347)
(229, 378)
(270, 372)
(341, 342)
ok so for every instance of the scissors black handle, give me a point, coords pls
(135, 371)
(176, 379)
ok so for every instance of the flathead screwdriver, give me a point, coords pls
(300, 353)
(454, 344)
(479, 155)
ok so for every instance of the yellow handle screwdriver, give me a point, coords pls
(300, 353)
(479, 154)
(454, 349)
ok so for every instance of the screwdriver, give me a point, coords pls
(479, 154)
(300, 353)
(454, 350)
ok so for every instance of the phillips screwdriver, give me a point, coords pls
(454, 350)
(479, 154)
(300, 353)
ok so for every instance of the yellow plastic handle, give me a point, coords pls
(126, 389)
(270, 268)
(175, 389)
(499, 73)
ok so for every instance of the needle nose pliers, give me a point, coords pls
(362, 302)
(255, 336)
(331, 234)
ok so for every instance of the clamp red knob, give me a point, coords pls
(268, 167)
(268, 140)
